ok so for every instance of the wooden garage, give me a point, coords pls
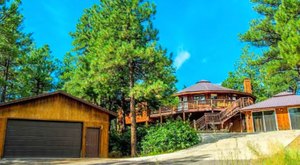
(53, 125)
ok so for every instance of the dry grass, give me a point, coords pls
(289, 155)
(280, 155)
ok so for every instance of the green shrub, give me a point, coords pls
(119, 143)
(168, 137)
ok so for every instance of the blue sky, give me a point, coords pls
(202, 35)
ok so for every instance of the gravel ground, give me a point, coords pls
(217, 148)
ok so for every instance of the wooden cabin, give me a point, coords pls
(53, 125)
(207, 105)
(281, 112)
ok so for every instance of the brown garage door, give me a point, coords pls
(27, 138)
(92, 142)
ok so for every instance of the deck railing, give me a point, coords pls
(221, 117)
(208, 104)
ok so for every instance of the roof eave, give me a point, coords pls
(113, 114)
(214, 91)
(271, 107)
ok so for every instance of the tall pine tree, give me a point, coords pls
(24, 69)
(14, 45)
(119, 57)
(275, 34)
(36, 71)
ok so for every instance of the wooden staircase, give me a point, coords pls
(223, 116)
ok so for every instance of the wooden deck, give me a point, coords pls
(223, 116)
(194, 106)
(208, 105)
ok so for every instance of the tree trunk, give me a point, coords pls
(4, 89)
(123, 105)
(37, 88)
(132, 111)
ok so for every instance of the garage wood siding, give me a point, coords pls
(27, 138)
(57, 108)
(283, 119)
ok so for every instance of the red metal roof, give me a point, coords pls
(283, 99)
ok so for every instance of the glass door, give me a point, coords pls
(264, 121)
(258, 121)
(295, 117)
(270, 121)
(185, 103)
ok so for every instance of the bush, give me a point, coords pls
(119, 143)
(168, 137)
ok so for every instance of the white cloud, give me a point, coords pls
(181, 57)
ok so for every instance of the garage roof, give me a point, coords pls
(61, 93)
(283, 99)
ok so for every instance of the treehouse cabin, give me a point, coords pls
(207, 105)
(281, 112)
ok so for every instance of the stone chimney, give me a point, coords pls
(247, 85)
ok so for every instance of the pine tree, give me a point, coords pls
(244, 68)
(119, 57)
(277, 36)
(24, 69)
(13, 45)
(35, 73)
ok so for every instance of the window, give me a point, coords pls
(183, 103)
(199, 97)
(295, 117)
(264, 121)
(258, 121)
(213, 96)
(234, 97)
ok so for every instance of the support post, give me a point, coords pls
(195, 127)
(160, 115)
(241, 122)
(183, 114)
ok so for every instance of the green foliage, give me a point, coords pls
(244, 68)
(24, 69)
(37, 69)
(117, 52)
(169, 137)
(13, 45)
(110, 40)
(119, 143)
(276, 34)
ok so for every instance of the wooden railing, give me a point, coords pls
(208, 104)
(223, 116)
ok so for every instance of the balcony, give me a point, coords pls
(196, 106)
(189, 106)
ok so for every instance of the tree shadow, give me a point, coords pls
(214, 137)
(152, 161)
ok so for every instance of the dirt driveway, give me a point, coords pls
(216, 149)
